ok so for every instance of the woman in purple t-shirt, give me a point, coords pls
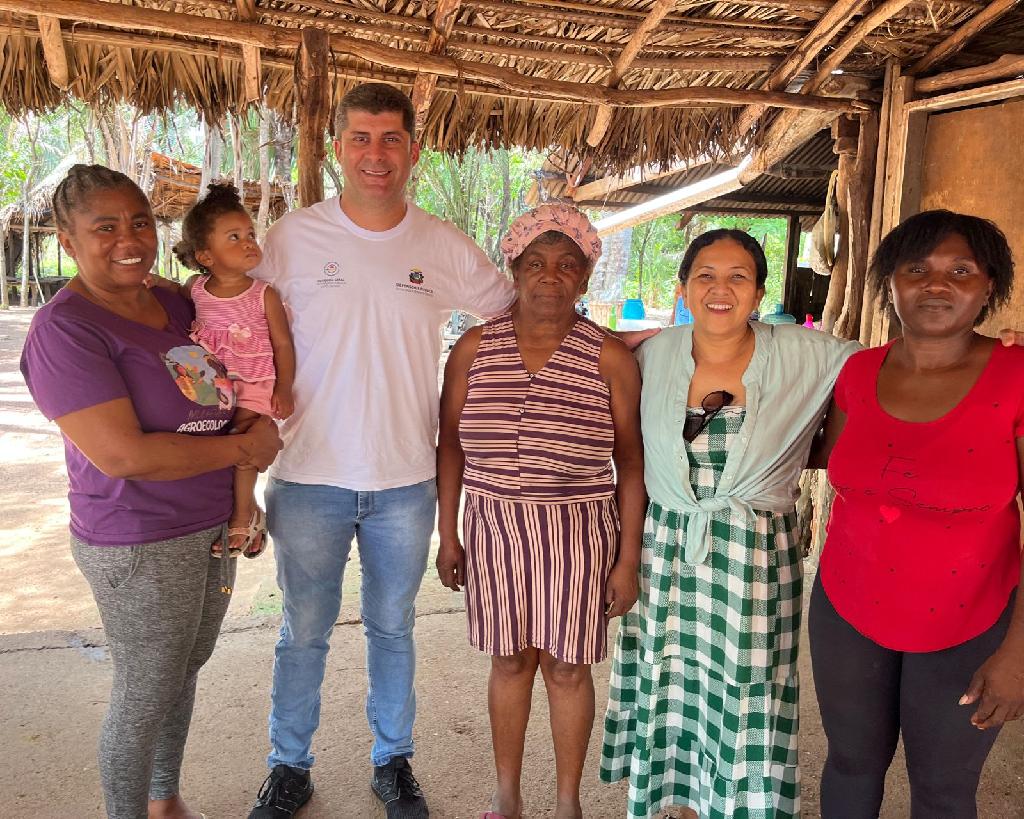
(144, 413)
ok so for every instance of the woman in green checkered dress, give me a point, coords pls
(703, 707)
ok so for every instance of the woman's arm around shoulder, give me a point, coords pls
(619, 369)
(109, 435)
(281, 401)
(450, 563)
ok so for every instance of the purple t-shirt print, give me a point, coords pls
(78, 355)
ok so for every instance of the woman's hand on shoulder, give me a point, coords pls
(1012, 338)
(622, 589)
(998, 689)
(451, 564)
(261, 445)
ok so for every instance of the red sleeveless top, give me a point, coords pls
(923, 545)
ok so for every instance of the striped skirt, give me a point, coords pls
(535, 575)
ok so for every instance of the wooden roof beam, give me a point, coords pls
(1009, 65)
(53, 51)
(603, 115)
(440, 30)
(831, 23)
(251, 70)
(952, 44)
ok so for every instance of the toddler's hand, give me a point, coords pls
(153, 280)
(282, 403)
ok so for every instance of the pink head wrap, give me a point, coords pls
(552, 216)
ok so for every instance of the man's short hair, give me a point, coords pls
(376, 98)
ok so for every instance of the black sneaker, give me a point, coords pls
(398, 789)
(283, 792)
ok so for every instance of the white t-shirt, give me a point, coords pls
(367, 309)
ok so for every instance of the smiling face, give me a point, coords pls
(112, 238)
(943, 293)
(721, 290)
(231, 245)
(376, 154)
(550, 277)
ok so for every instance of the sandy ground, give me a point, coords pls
(55, 670)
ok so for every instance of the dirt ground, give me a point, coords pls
(55, 670)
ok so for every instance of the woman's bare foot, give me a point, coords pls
(509, 805)
(566, 809)
(172, 808)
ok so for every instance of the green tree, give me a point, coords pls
(480, 192)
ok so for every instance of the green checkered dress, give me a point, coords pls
(703, 704)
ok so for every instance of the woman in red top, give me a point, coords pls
(914, 625)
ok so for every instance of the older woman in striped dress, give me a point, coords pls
(536, 406)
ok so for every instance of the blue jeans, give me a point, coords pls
(313, 527)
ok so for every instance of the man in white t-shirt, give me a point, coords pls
(369, 279)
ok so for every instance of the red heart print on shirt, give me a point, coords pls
(889, 513)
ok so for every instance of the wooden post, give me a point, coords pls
(897, 186)
(53, 51)
(792, 255)
(844, 133)
(311, 90)
(251, 68)
(423, 87)
(858, 196)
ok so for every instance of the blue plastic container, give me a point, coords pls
(633, 309)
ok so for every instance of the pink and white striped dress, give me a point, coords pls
(235, 330)
(540, 521)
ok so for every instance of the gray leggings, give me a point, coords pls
(162, 606)
(868, 695)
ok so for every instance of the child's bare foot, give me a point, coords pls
(172, 808)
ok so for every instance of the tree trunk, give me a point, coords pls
(26, 231)
(263, 215)
(5, 298)
(284, 143)
(235, 124)
(211, 156)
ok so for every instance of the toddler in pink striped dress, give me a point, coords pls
(241, 322)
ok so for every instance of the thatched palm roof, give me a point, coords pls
(532, 73)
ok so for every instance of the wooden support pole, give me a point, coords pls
(844, 134)
(897, 186)
(53, 51)
(958, 39)
(603, 114)
(311, 90)
(424, 84)
(251, 69)
(859, 197)
(792, 254)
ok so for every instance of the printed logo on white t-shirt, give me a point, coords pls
(332, 276)
(415, 285)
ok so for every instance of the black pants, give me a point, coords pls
(868, 694)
